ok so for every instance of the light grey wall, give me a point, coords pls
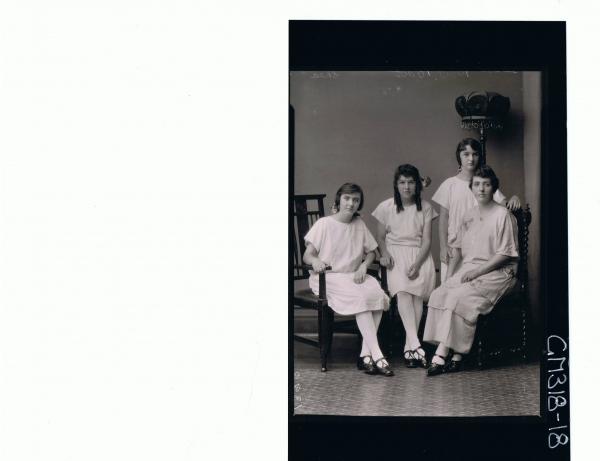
(358, 126)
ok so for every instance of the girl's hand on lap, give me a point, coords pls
(387, 261)
(360, 274)
(469, 276)
(412, 272)
(318, 265)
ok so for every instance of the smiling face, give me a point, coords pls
(469, 159)
(349, 203)
(407, 187)
(482, 189)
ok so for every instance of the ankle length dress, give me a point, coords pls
(343, 246)
(404, 234)
(455, 306)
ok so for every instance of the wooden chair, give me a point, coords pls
(503, 332)
(391, 327)
(307, 209)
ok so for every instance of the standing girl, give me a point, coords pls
(344, 242)
(404, 238)
(454, 198)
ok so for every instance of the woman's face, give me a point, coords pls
(482, 190)
(469, 159)
(407, 186)
(349, 203)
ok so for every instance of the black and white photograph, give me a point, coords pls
(414, 147)
(422, 184)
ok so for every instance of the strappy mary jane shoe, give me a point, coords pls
(368, 367)
(420, 357)
(409, 359)
(383, 367)
(436, 369)
(454, 365)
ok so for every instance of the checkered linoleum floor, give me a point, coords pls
(512, 390)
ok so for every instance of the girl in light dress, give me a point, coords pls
(404, 238)
(344, 242)
(487, 245)
(455, 198)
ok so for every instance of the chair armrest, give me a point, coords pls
(322, 284)
(379, 272)
(373, 270)
(308, 267)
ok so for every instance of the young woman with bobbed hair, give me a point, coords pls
(455, 198)
(482, 271)
(344, 242)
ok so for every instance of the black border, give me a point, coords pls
(452, 45)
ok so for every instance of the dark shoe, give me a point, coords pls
(421, 359)
(435, 369)
(409, 360)
(383, 368)
(454, 365)
(367, 367)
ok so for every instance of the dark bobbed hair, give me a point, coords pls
(348, 188)
(473, 143)
(407, 171)
(485, 171)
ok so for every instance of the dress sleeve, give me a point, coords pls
(379, 214)
(506, 241)
(429, 212)
(369, 241)
(316, 234)
(441, 196)
(499, 196)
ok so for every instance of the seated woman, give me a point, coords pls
(488, 248)
(344, 242)
(404, 238)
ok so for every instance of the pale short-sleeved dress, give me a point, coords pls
(343, 246)
(454, 306)
(454, 195)
(404, 235)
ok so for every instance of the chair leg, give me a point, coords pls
(383, 333)
(325, 334)
(421, 325)
(524, 333)
(329, 331)
(320, 333)
(389, 337)
(480, 354)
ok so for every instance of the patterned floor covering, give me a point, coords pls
(502, 391)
